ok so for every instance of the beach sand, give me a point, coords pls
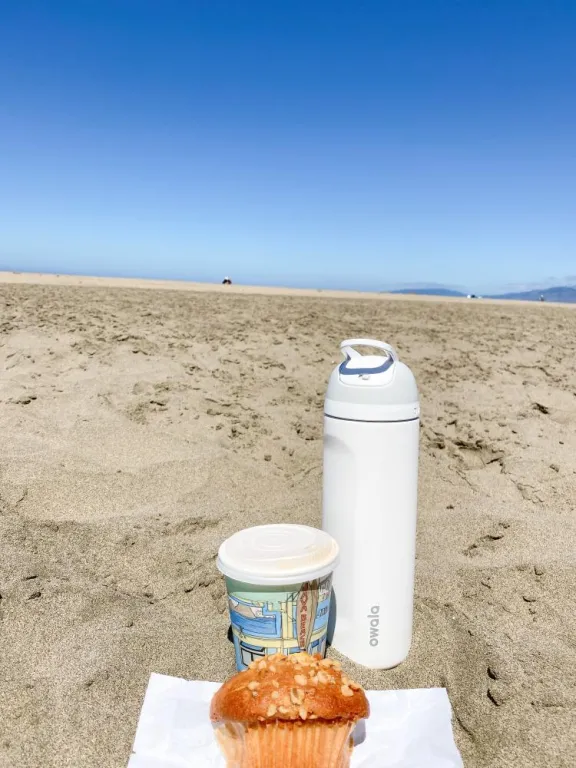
(140, 426)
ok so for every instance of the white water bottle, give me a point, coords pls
(370, 491)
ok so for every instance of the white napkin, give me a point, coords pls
(406, 729)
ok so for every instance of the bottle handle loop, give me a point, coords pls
(347, 348)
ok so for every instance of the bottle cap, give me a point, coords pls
(375, 387)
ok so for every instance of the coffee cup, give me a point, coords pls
(278, 579)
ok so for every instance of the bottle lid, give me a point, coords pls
(274, 555)
(375, 387)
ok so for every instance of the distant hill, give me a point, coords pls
(430, 291)
(564, 293)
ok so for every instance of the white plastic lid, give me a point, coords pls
(274, 555)
(371, 387)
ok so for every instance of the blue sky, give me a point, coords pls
(360, 144)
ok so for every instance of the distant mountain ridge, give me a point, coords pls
(561, 293)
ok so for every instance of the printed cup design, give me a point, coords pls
(287, 619)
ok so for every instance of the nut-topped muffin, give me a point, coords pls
(295, 711)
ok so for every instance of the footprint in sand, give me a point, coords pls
(477, 454)
(488, 542)
(499, 690)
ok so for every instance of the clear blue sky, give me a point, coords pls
(360, 144)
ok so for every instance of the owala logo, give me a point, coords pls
(374, 617)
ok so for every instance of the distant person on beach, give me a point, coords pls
(226, 281)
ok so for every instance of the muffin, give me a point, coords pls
(295, 711)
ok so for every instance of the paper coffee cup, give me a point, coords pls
(278, 579)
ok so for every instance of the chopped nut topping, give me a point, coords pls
(296, 696)
(330, 663)
(289, 696)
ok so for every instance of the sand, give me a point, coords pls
(140, 426)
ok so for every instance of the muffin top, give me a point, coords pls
(297, 687)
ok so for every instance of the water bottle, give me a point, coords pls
(370, 495)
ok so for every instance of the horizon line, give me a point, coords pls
(21, 277)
